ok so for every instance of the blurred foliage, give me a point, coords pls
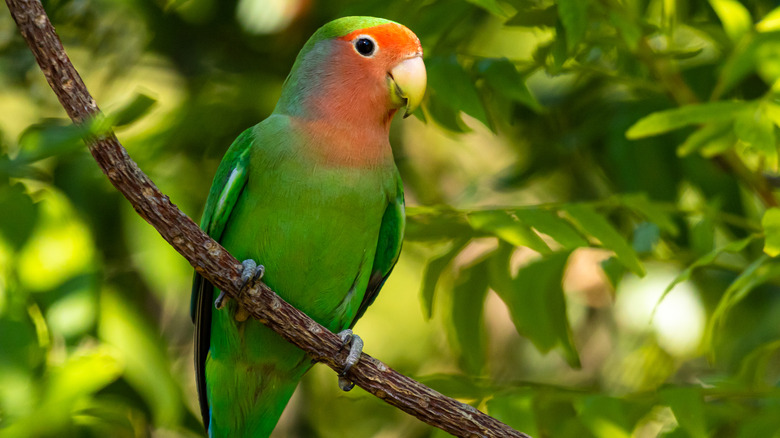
(593, 220)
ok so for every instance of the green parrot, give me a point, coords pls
(313, 193)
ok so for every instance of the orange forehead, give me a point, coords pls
(391, 36)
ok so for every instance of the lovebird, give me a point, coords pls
(313, 195)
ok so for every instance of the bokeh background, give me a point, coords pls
(592, 225)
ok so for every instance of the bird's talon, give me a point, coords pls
(259, 273)
(249, 269)
(355, 349)
(221, 300)
(345, 384)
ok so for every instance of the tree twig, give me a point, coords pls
(215, 264)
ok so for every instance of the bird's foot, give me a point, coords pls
(251, 272)
(355, 349)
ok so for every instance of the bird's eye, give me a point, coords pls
(365, 46)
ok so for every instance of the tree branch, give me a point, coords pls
(215, 264)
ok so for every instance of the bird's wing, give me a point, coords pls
(388, 248)
(228, 184)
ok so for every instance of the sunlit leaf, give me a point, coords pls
(770, 22)
(734, 16)
(704, 137)
(538, 308)
(757, 131)
(742, 61)
(669, 120)
(503, 226)
(770, 222)
(433, 271)
(593, 224)
(606, 417)
(687, 405)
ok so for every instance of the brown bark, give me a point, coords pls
(215, 264)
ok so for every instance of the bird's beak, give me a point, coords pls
(407, 82)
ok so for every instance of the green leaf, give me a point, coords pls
(538, 308)
(515, 410)
(627, 26)
(770, 22)
(605, 417)
(492, 6)
(593, 224)
(499, 274)
(552, 225)
(757, 131)
(753, 368)
(433, 271)
(535, 17)
(757, 273)
(49, 138)
(687, 404)
(503, 226)
(18, 226)
(654, 212)
(742, 61)
(137, 108)
(770, 222)
(502, 76)
(455, 87)
(669, 120)
(614, 270)
(574, 17)
(145, 356)
(706, 260)
(734, 16)
(440, 112)
(468, 302)
(435, 223)
(718, 134)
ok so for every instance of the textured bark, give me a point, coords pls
(215, 264)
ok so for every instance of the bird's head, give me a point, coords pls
(357, 67)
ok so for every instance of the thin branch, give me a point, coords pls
(215, 264)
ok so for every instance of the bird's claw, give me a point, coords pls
(252, 272)
(355, 349)
(221, 300)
